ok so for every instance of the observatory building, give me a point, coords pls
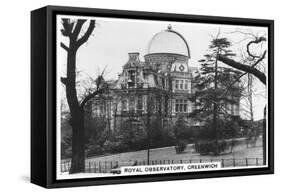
(157, 88)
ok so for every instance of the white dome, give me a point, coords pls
(168, 41)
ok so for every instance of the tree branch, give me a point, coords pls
(260, 59)
(90, 96)
(258, 40)
(63, 80)
(67, 27)
(245, 73)
(248, 69)
(77, 28)
(89, 31)
(64, 47)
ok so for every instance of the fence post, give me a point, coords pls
(222, 162)
(200, 161)
(257, 161)
(246, 161)
(95, 167)
(190, 161)
(233, 162)
(110, 165)
(99, 167)
(181, 161)
(105, 166)
(89, 167)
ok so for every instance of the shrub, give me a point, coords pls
(180, 147)
(66, 150)
(211, 147)
(93, 150)
(115, 146)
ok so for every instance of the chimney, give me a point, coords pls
(134, 56)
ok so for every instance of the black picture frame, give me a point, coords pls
(43, 95)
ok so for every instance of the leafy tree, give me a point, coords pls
(95, 132)
(216, 89)
(156, 132)
(180, 131)
(179, 128)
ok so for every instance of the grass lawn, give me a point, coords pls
(168, 155)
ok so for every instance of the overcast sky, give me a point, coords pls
(113, 39)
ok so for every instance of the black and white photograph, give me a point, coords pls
(141, 97)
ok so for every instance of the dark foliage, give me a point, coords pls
(217, 88)
(211, 147)
(180, 147)
(182, 131)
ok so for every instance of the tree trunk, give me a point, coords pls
(77, 117)
(215, 108)
(78, 142)
(250, 97)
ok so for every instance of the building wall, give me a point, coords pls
(162, 85)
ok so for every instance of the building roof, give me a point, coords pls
(168, 41)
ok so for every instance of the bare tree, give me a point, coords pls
(251, 69)
(255, 59)
(71, 30)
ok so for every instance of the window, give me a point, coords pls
(181, 84)
(140, 103)
(181, 106)
(163, 83)
(177, 84)
(185, 106)
(132, 78)
(185, 84)
(132, 104)
(177, 105)
(124, 105)
(189, 86)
